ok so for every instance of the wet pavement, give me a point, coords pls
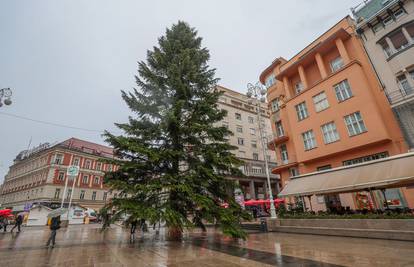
(86, 245)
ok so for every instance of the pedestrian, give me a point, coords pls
(18, 222)
(3, 223)
(134, 223)
(54, 226)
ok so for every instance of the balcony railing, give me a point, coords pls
(273, 141)
(290, 161)
(257, 169)
(400, 95)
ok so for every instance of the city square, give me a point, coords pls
(87, 246)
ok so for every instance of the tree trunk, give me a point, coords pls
(174, 233)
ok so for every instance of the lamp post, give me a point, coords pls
(5, 93)
(257, 93)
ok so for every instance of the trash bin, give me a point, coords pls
(263, 225)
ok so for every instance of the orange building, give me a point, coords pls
(328, 110)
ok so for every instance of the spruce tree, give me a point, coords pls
(172, 157)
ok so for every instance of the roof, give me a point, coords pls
(88, 147)
(370, 8)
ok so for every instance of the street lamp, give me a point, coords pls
(6, 93)
(256, 92)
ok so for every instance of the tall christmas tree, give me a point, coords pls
(172, 158)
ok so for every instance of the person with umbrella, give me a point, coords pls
(54, 226)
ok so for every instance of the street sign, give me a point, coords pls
(73, 170)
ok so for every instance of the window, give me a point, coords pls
(110, 167)
(293, 171)
(321, 102)
(254, 144)
(94, 195)
(105, 195)
(82, 194)
(284, 153)
(252, 131)
(404, 85)
(275, 105)
(365, 159)
(309, 140)
(323, 168)
(411, 74)
(387, 20)
(69, 193)
(336, 64)
(96, 180)
(398, 40)
(251, 119)
(85, 179)
(410, 29)
(301, 111)
(76, 161)
(279, 129)
(61, 176)
(225, 124)
(57, 193)
(386, 48)
(330, 134)
(98, 166)
(58, 159)
(239, 129)
(398, 13)
(343, 91)
(87, 164)
(377, 27)
(240, 141)
(270, 80)
(298, 87)
(255, 156)
(355, 124)
(268, 157)
(238, 116)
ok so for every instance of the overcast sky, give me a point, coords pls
(67, 61)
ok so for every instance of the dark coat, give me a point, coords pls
(55, 223)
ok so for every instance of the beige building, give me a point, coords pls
(242, 120)
(386, 28)
(38, 176)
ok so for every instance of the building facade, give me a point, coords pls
(387, 31)
(38, 176)
(328, 110)
(242, 120)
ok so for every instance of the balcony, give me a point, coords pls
(401, 96)
(285, 164)
(273, 141)
(253, 168)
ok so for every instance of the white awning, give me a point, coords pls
(391, 172)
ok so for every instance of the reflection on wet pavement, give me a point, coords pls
(86, 245)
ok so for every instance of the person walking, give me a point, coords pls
(18, 223)
(3, 223)
(54, 226)
(134, 223)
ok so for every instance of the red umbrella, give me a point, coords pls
(5, 212)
